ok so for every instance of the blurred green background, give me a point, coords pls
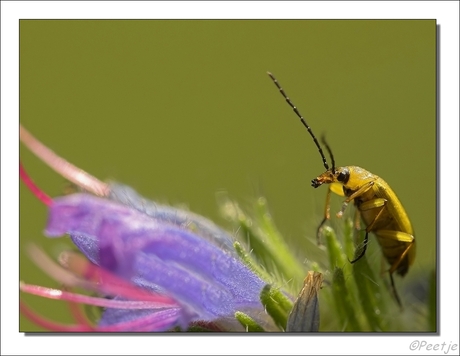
(182, 110)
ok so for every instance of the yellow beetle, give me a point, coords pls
(376, 203)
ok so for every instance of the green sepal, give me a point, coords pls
(268, 248)
(276, 304)
(248, 323)
(250, 263)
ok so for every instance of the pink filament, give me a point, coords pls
(33, 188)
(78, 314)
(51, 325)
(61, 166)
(96, 301)
(157, 320)
(78, 271)
(114, 285)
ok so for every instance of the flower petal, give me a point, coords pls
(203, 227)
(205, 279)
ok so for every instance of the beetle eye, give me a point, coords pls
(343, 176)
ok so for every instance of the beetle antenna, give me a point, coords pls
(323, 140)
(291, 104)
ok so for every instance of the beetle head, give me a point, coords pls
(337, 175)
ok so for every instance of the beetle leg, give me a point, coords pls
(400, 237)
(372, 204)
(365, 242)
(327, 215)
(356, 194)
(395, 266)
(357, 225)
(395, 293)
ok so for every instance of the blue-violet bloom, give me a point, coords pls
(157, 267)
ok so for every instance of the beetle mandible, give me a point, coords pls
(376, 203)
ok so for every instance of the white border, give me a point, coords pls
(446, 14)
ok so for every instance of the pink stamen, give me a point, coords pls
(58, 294)
(109, 283)
(78, 314)
(152, 322)
(42, 196)
(77, 271)
(61, 166)
(56, 271)
(51, 325)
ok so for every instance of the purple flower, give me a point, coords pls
(156, 267)
(139, 259)
(206, 281)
